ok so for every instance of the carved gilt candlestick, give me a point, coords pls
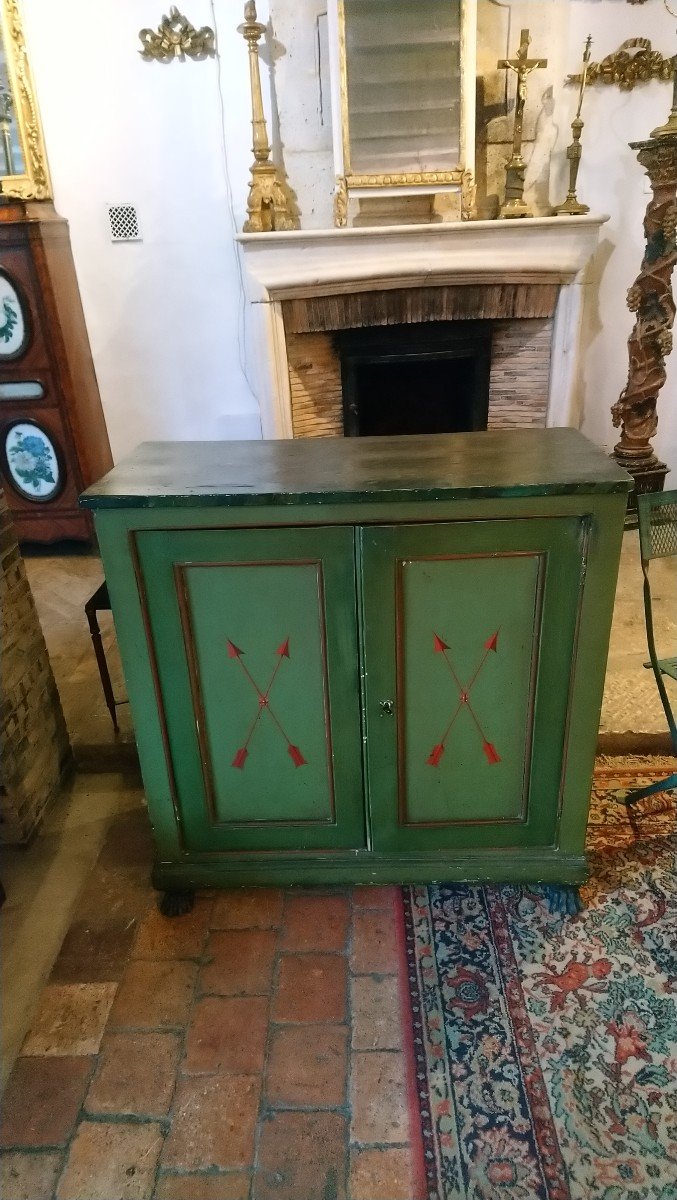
(670, 126)
(515, 204)
(267, 203)
(650, 297)
(572, 206)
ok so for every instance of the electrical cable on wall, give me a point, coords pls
(241, 325)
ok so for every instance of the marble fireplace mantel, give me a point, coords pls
(297, 264)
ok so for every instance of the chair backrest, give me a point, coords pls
(657, 514)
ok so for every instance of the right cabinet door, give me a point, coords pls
(469, 644)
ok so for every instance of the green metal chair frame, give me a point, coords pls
(657, 515)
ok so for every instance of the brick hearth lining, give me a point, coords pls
(521, 315)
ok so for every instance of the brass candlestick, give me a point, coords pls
(671, 123)
(572, 206)
(267, 203)
(515, 204)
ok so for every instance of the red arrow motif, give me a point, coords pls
(433, 759)
(490, 752)
(263, 698)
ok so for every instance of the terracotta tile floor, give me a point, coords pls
(252, 1049)
(249, 1050)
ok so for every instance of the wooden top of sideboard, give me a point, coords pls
(496, 463)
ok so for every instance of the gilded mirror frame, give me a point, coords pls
(461, 177)
(33, 183)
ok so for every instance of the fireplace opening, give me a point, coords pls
(431, 378)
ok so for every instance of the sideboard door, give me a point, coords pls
(470, 632)
(253, 636)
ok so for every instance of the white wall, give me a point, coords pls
(165, 315)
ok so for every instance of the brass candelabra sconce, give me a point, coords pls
(634, 62)
(175, 37)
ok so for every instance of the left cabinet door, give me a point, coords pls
(253, 637)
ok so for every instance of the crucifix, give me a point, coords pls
(522, 65)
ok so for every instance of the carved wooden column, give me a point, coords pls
(650, 297)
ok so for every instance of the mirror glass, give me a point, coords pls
(403, 66)
(20, 389)
(12, 161)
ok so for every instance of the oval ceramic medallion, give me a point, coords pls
(32, 462)
(13, 322)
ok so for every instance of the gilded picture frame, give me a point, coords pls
(32, 182)
(460, 177)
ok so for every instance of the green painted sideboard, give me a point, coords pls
(365, 659)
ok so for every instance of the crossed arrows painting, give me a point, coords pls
(442, 648)
(264, 705)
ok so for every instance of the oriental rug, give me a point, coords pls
(546, 1044)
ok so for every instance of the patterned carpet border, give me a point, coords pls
(545, 1045)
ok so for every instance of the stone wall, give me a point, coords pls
(34, 745)
(297, 53)
(498, 36)
(521, 315)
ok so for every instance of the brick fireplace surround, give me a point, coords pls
(528, 278)
(520, 360)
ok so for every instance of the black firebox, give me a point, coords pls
(431, 378)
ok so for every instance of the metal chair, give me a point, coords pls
(100, 602)
(657, 515)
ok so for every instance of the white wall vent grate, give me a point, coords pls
(124, 223)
